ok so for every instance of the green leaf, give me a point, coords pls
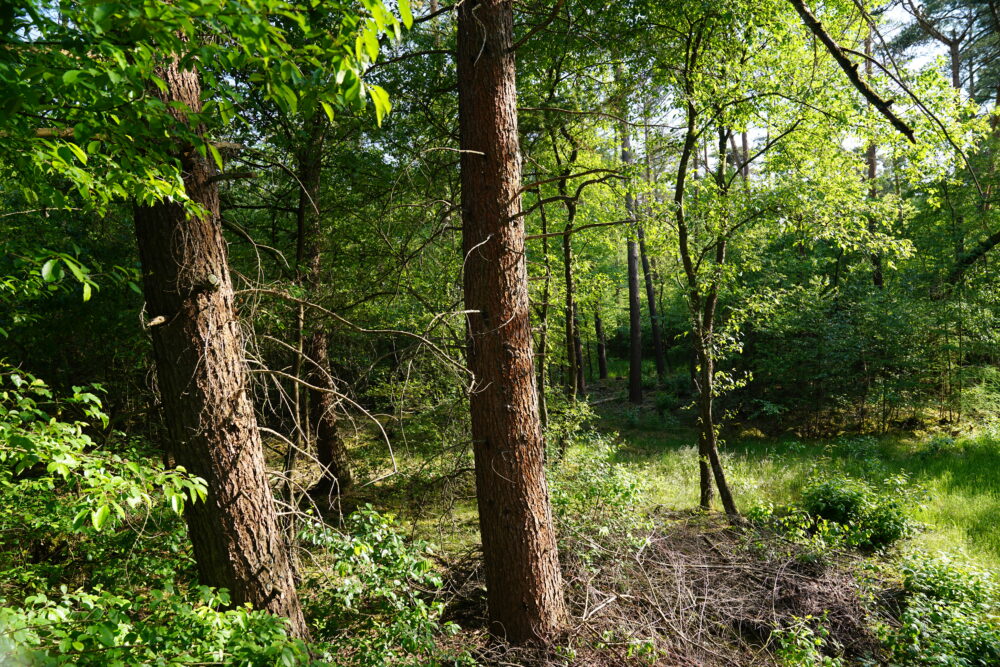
(99, 517)
(370, 36)
(215, 155)
(86, 292)
(328, 108)
(70, 76)
(406, 13)
(381, 100)
(76, 268)
(48, 273)
(78, 152)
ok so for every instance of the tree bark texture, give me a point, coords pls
(523, 581)
(238, 543)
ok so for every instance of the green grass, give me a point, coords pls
(961, 479)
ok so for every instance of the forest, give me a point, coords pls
(480, 332)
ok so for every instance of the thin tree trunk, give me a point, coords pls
(543, 342)
(871, 157)
(746, 155)
(702, 307)
(572, 360)
(654, 320)
(198, 350)
(602, 346)
(521, 564)
(581, 382)
(575, 383)
(635, 326)
(331, 451)
(650, 277)
(634, 305)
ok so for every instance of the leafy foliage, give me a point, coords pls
(872, 519)
(374, 601)
(951, 614)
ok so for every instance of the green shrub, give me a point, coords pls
(801, 643)
(594, 495)
(160, 627)
(373, 600)
(951, 615)
(872, 519)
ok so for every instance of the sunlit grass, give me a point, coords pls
(961, 479)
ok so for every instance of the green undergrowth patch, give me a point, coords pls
(959, 491)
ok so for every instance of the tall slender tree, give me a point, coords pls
(634, 299)
(523, 581)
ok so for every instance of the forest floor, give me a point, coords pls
(757, 580)
(954, 479)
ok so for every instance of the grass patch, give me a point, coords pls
(959, 476)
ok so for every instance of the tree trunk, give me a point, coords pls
(523, 581)
(654, 320)
(955, 55)
(702, 305)
(708, 443)
(634, 305)
(331, 452)
(543, 337)
(238, 543)
(635, 326)
(573, 385)
(602, 346)
(871, 157)
(581, 381)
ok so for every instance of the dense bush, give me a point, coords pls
(373, 601)
(593, 494)
(95, 567)
(951, 615)
(161, 627)
(873, 518)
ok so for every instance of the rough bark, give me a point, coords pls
(523, 581)
(238, 543)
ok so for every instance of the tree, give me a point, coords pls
(523, 581)
(202, 381)
(634, 299)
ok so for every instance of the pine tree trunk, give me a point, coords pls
(523, 581)
(238, 543)
(331, 451)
